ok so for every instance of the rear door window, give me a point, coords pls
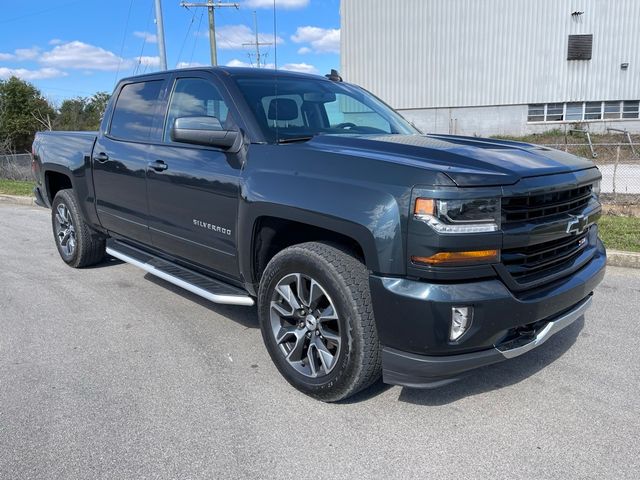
(134, 112)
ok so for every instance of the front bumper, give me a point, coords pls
(421, 371)
(413, 320)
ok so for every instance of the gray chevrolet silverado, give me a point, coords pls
(369, 248)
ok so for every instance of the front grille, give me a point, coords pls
(535, 207)
(527, 264)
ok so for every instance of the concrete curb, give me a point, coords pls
(615, 258)
(17, 200)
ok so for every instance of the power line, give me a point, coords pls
(211, 6)
(124, 37)
(144, 38)
(257, 43)
(186, 36)
(39, 12)
(275, 46)
(195, 40)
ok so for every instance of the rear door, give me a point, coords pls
(193, 191)
(120, 160)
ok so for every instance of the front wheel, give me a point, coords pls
(78, 245)
(317, 322)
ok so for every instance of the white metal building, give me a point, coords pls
(489, 67)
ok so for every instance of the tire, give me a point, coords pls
(78, 245)
(326, 282)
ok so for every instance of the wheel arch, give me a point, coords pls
(56, 180)
(278, 227)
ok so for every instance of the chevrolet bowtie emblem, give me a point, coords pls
(577, 224)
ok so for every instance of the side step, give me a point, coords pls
(209, 288)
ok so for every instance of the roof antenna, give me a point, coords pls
(334, 76)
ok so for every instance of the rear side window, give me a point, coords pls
(133, 114)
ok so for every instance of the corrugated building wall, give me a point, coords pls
(428, 54)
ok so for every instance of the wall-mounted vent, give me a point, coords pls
(580, 47)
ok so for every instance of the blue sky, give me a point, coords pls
(74, 48)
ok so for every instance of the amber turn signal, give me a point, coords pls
(458, 258)
(425, 206)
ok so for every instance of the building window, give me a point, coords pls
(612, 110)
(593, 111)
(630, 109)
(536, 113)
(583, 111)
(575, 111)
(555, 112)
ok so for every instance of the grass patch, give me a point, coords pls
(620, 233)
(16, 187)
(556, 136)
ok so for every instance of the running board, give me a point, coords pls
(206, 287)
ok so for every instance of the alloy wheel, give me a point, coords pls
(65, 231)
(305, 325)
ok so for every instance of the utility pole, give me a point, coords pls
(211, 6)
(257, 43)
(160, 32)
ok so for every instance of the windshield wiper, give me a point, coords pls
(295, 139)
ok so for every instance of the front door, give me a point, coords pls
(120, 161)
(193, 191)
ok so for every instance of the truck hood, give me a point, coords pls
(468, 161)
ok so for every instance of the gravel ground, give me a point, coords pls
(110, 373)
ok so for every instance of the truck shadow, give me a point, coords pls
(108, 261)
(482, 380)
(245, 316)
(500, 375)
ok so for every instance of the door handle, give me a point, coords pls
(101, 157)
(158, 165)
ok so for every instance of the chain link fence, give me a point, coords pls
(619, 164)
(16, 166)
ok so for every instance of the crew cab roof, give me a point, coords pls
(232, 72)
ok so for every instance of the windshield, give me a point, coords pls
(305, 107)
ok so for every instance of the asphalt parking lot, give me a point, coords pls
(111, 373)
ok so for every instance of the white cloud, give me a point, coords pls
(300, 67)
(322, 40)
(25, 74)
(55, 41)
(148, 61)
(147, 36)
(293, 67)
(238, 63)
(233, 37)
(286, 4)
(27, 53)
(21, 54)
(82, 55)
(190, 64)
(304, 50)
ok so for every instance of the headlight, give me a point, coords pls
(595, 189)
(473, 215)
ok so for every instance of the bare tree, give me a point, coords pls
(44, 121)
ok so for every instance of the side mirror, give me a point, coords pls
(202, 131)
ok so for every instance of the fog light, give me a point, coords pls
(460, 321)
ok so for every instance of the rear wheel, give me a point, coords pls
(317, 322)
(78, 245)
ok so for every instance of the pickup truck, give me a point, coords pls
(369, 248)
